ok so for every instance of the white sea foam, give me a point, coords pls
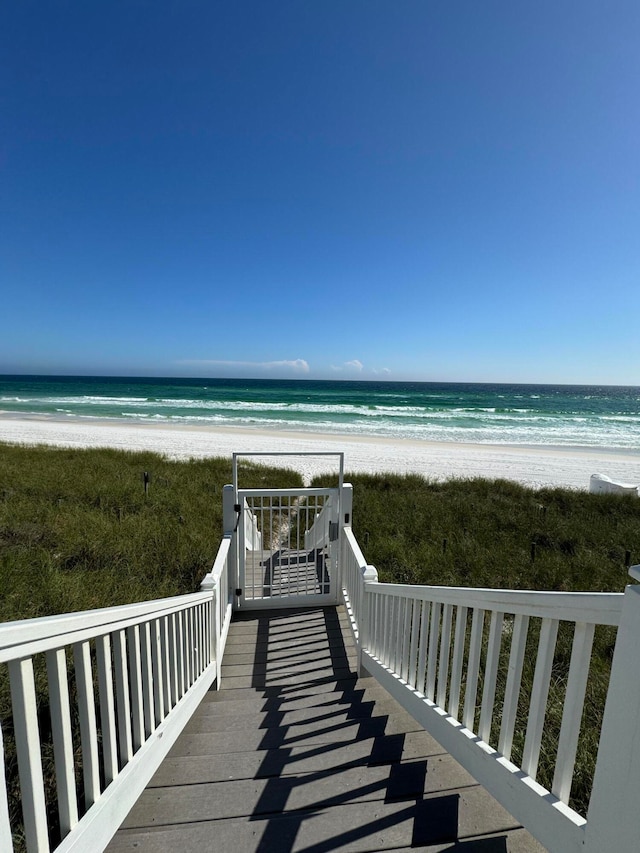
(540, 430)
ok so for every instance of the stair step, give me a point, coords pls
(244, 797)
(433, 823)
(296, 752)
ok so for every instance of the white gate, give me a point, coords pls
(288, 542)
(288, 547)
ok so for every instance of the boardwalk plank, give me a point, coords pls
(297, 753)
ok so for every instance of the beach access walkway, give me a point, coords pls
(297, 703)
(296, 752)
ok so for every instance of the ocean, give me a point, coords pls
(605, 417)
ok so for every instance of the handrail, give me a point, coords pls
(318, 534)
(252, 534)
(355, 575)
(602, 608)
(26, 638)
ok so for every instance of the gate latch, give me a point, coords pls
(333, 531)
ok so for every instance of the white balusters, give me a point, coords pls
(165, 664)
(157, 663)
(88, 728)
(514, 679)
(490, 676)
(539, 695)
(6, 842)
(148, 686)
(572, 711)
(107, 708)
(413, 646)
(25, 721)
(135, 673)
(180, 653)
(425, 611)
(445, 649)
(473, 669)
(62, 739)
(126, 678)
(432, 654)
(399, 608)
(174, 679)
(406, 638)
(458, 658)
(123, 702)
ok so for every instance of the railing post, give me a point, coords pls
(229, 517)
(369, 575)
(210, 585)
(613, 819)
(345, 520)
(6, 842)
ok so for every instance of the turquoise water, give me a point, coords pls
(579, 416)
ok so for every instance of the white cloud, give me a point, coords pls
(384, 370)
(355, 364)
(297, 365)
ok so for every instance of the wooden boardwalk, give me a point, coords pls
(295, 753)
(285, 572)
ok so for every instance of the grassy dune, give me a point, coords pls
(78, 531)
(495, 533)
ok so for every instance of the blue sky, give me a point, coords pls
(355, 189)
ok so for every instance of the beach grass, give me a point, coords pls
(494, 533)
(79, 530)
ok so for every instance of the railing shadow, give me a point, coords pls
(316, 751)
(311, 564)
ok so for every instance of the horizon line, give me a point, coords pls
(132, 376)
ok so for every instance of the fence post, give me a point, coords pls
(209, 585)
(613, 819)
(345, 520)
(229, 518)
(6, 842)
(369, 575)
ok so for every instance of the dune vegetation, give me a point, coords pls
(78, 528)
(495, 533)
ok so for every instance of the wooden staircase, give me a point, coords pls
(296, 753)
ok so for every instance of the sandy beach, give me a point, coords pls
(532, 466)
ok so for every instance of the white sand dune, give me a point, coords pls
(532, 466)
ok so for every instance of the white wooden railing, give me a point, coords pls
(252, 534)
(439, 651)
(317, 535)
(132, 676)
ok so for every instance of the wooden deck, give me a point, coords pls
(285, 572)
(295, 753)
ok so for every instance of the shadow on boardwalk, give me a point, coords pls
(296, 753)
